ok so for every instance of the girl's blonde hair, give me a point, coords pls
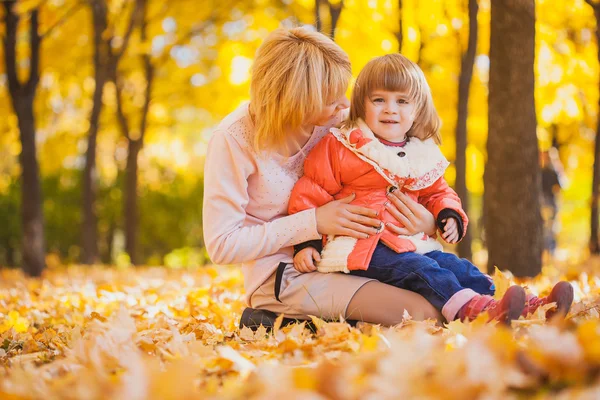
(296, 73)
(396, 73)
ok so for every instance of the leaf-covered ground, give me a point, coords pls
(154, 333)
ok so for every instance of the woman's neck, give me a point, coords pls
(296, 140)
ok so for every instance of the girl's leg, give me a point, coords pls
(468, 275)
(420, 274)
(379, 303)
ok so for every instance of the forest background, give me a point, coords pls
(107, 108)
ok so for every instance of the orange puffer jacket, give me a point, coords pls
(355, 161)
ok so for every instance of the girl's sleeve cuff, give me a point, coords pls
(450, 213)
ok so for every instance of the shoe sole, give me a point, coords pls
(562, 295)
(516, 304)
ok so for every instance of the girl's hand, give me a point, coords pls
(338, 217)
(409, 213)
(303, 260)
(450, 234)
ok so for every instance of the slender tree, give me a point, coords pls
(400, 34)
(135, 143)
(106, 58)
(512, 176)
(22, 96)
(135, 134)
(318, 23)
(335, 11)
(464, 83)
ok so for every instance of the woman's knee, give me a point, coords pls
(377, 302)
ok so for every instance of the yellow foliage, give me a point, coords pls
(502, 281)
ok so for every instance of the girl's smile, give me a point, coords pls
(390, 115)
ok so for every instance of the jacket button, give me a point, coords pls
(402, 154)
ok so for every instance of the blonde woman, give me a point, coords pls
(255, 157)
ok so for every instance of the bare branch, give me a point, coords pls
(196, 30)
(149, 73)
(133, 20)
(121, 117)
(35, 42)
(593, 4)
(161, 13)
(121, 12)
(10, 43)
(62, 20)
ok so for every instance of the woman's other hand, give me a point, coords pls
(413, 216)
(338, 217)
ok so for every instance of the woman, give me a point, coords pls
(254, 158)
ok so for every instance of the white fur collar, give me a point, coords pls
(423, 164)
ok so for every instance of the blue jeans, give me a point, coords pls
(437, 276)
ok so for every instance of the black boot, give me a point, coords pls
(253, 318)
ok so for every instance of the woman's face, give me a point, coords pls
(330, 111)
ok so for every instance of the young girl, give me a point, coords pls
(390, 143)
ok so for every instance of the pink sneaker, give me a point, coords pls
(509, 308)
(561, 294)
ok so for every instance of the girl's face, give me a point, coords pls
(330, 111)
(389, 114)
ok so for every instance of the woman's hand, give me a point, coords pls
(304, 260)
(338, 217)
(409, 213)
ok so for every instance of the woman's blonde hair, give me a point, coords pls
(295, 74)
(396, 73)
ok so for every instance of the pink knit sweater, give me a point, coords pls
(246, 200)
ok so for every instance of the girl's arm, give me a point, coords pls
(443, 202)
(227, 168)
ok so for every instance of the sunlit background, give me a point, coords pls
(201, 54)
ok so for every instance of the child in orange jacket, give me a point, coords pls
(390, 142)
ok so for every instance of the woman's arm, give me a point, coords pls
(226, 173)
(322, 180)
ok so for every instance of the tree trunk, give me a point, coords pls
(464, 83)
(399, 34)
(34, 246)
(134, 148)
(421, 53)
(130, 206)
(22, 98)
(335, 10)
(512, 176)
(594, 244)
(90, 179)
(10, 254)
(318, 23)
(110, 238)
